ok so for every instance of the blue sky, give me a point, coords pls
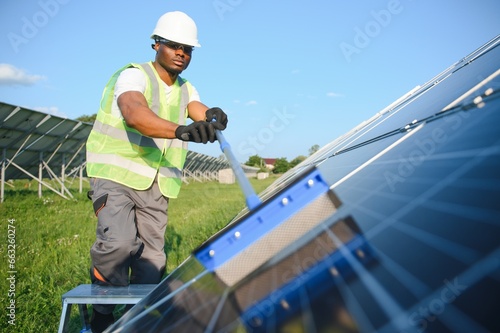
(289, 74)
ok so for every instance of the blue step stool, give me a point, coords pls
(94, 294)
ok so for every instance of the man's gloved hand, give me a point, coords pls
(199, 131)
(219, 116)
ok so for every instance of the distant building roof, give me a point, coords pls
(269, 161)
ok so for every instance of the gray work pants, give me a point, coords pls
(130, 235)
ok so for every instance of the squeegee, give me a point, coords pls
(251, 198)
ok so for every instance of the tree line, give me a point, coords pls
(281, 165)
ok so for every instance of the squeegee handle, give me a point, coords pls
(252, 200)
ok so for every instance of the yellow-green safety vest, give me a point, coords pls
(123, 155)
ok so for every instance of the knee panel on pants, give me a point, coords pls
(112, 259)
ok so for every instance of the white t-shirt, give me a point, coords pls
(133, 79)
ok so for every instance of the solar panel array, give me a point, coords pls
(39, 146)
(393, 227)
(36, 145)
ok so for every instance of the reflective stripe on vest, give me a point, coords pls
(116, 160)
(122, 154)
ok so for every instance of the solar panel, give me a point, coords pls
(25, 134)
(403, 238)
(37, 145)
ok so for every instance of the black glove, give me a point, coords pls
(199, 131)
(219, 116)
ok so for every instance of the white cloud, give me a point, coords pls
(251, 103)
(333, 94)
(11, 75)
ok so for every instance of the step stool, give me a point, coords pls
(95, 294)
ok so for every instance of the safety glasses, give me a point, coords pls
(176, 46)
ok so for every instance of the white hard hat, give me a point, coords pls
(177, 27)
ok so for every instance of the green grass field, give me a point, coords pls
(45, 245)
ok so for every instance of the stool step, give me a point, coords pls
(95, 294)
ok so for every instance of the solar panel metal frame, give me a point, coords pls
(36, 145)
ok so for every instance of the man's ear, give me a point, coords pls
(155, 46)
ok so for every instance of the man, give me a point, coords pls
(135, 155)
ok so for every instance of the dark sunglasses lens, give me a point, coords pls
(176, 46)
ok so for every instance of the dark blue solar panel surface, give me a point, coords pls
(413, 245)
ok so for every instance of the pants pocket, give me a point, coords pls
(100, 203)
